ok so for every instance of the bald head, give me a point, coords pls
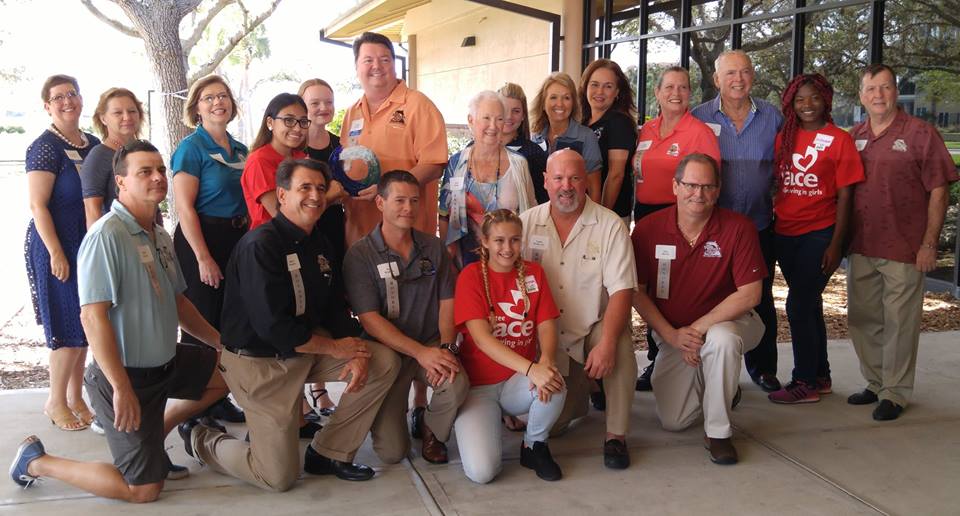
(566, 181)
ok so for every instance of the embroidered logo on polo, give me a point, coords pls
(674, 150)
(899, 145)
(398, 118)
(711, 250)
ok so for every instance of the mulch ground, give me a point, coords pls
(23, 357)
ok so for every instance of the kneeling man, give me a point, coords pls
(285, 323)
(700, 272)
(400, 284)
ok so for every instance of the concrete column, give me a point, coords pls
(572, 43)
(412, 61)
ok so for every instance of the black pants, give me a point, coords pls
(763, 358)
(640, 211)
(221, 239)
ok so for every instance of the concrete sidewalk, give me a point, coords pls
(822, 458)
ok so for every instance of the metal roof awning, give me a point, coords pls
(383, 16)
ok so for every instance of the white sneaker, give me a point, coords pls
(96, 427)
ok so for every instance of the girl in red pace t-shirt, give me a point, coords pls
(503, 309)
(816, 163)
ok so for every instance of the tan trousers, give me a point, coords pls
(684, 393)
(270, 391)
(618, 385)
(885, 302)
(391, 439)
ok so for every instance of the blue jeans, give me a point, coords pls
(800, 258)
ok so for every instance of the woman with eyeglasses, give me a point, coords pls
(53, 239)
(118, 118)
(209, 202)
(663, 142)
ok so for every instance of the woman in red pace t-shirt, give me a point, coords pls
(816, 163)
(503, 309)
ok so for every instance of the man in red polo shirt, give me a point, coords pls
(699, 275)
(897, 216)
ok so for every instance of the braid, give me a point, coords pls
(522, 284)
(791, 123)
(484, 256)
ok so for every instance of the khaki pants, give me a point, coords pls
(269, 391)
(618, 385)
(391, 439)
(885, 302)
(684, 393)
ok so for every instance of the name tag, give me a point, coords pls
(388, 270)
(539, 242)
(293, 262)
(456, 184)
(299, 291)
(664, 255)
(531, 283)
(644, 145)
(356, 127)
(715, 128)
(822, 139)
(73, 155)
(146, 255)
(861, 144)
(666, 252)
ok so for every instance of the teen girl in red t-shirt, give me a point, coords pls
(507, 317)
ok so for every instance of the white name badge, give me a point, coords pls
(666, 252)
(531, 284)
(456, 184)
(299, 291)
(715, 128)
(644, 145)
(146, 256)
(293, 262)
(539, 242)
(356, 127)
(664, 255)
(822, 139)
(861, 144)
(388, 270)
(73, 155)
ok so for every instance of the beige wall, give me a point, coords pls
(510, 47)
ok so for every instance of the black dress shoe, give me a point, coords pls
(308, 430)
(185, 430)
(768, 382)
(539, 459)
(644, 382)
(864, 397)
(317, 464)
(225, 410)
(615, 454)
(887, 411)
(416, 422)
(721, 450)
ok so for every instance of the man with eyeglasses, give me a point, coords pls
(403, 129)
(700, 270)
(131, 295)
(400, 284)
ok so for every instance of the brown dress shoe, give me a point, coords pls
(721, 450)
(433, 450)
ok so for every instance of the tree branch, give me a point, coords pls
(201, 25)
(231, 43)
(129, 31)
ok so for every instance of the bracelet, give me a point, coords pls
(529, 367)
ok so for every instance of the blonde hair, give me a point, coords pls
(101, 110)
(501, 216)
(309, 83)
(514, 91)
(538, 115)
(190, 116)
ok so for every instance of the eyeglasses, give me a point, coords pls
(693, 187)
(290, 121)
(208, 99)
(63, 96)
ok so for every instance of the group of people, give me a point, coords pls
(281, 276)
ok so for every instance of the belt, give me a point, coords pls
(254, 352)
(238, 222)
(147, 373)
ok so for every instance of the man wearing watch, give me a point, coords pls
(400, 284)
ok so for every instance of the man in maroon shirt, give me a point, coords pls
(897, 216)
(699, 270)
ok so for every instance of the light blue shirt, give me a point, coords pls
(219, 171)
(119, 263)
(747, 167)
(577, 137)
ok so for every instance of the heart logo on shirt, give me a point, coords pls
(803, 163)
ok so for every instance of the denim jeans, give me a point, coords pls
(800, 259)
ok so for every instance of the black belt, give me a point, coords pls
(254, 352)
(148, 373)
(238, 222)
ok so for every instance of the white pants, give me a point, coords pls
(479, 426)
(684, 393)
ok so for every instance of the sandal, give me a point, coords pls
(83, 413)
(315, 395)
(65, 420)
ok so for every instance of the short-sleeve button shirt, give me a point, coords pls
(140, 278)
(218, 170)
(594, 263)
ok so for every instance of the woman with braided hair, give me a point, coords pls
(816, 165)
(505, 312)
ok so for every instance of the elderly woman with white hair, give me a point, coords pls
(485, 176)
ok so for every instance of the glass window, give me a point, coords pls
(663, 16)
(768, 44)
(837, 46)
(627, 55)
(757, 7)
(705, 47)
(662, 53)
(710, 11)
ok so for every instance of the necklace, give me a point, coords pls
(691, 241)
(471, 168)
(83, 138)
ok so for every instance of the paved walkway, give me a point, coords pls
(823, 458)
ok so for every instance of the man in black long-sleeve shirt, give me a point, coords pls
(285, 323)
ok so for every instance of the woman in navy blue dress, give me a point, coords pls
(53, 239)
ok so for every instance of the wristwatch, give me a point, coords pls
(452, 347)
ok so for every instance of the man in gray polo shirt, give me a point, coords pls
(131, 296)
(400, 284)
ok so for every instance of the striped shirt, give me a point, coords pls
(747, 166)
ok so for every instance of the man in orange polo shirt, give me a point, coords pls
(403, 129)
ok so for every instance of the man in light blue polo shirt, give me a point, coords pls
(746, 129)
(131, 297)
